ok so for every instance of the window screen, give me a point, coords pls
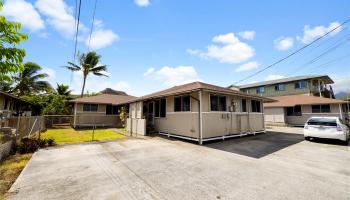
(162, 108)
(156, 108)
(244, 105)
(217, 103)
(321, 108)
(177, 104)
(255, 106)
(186, 103)
(90, 107)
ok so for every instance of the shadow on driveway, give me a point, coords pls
(257, 146)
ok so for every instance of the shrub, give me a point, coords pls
(42, 143)
(28, 145)
(51, 142)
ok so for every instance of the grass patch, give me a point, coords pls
(70, 135)
(10, 170)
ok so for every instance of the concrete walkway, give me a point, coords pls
(157, 168)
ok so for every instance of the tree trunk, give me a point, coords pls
(82, 90)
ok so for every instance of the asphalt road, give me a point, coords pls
(267, 166)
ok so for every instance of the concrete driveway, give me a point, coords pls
(268, 166)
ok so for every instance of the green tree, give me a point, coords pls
(88, 63)
(48, 104)
(11, 58)
(30, 80)
(63, 90)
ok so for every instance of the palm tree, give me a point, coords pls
(89, 63)
(63, 90)
(30, 80)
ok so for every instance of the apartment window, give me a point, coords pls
(294, 111)
(321, 108)
(256, 106)
(90, 107)
(279, 87)
(244, 105)
(182, 103)
(260, 90)
(217, 103)
(112, 110)
(160, 108)
(300, 85)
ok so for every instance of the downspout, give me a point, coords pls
(200, 136)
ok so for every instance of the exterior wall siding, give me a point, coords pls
(277, 115)
(289, 90)
(274, 115)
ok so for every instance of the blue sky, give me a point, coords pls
(151, 45)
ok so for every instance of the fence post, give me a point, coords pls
(18, 123)
(40, 121)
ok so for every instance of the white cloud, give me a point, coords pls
(341, 84)
(248, 35)
(101, 38)
(283, 43)
(311, 33)
(273, 77)
(59, 16)
(50, 72)
(247, 66)
(229, 49)
(142, 3)
(23, 12)
(170, 76)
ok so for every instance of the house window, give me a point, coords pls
(156, 108)
(294, 111)
(279, 87)
(300, 85)
(260, 90)
(182, 103)
(256, 106)
(217, 103)
(321, 108)
(244, 105)
(160, 108)
(90, 107)
(112, 110)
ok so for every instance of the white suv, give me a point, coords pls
(326, 127)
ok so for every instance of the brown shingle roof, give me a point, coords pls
(196, 86)
(105, 99)
(293, 100)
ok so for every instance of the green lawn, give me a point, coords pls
(70, 135)
(10, 169)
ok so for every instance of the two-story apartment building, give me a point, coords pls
(315, 85)
(297, 99)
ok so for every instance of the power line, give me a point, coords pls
(318, 67)
(332, 48)
(77, 30)
(295, 52)
(92, 24)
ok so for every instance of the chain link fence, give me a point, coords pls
(13, 129)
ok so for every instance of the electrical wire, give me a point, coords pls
(293, 53)
(92, 24)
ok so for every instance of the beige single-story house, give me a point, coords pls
(197, 111)
(10, 105)
(99, 110)
(294, 110)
